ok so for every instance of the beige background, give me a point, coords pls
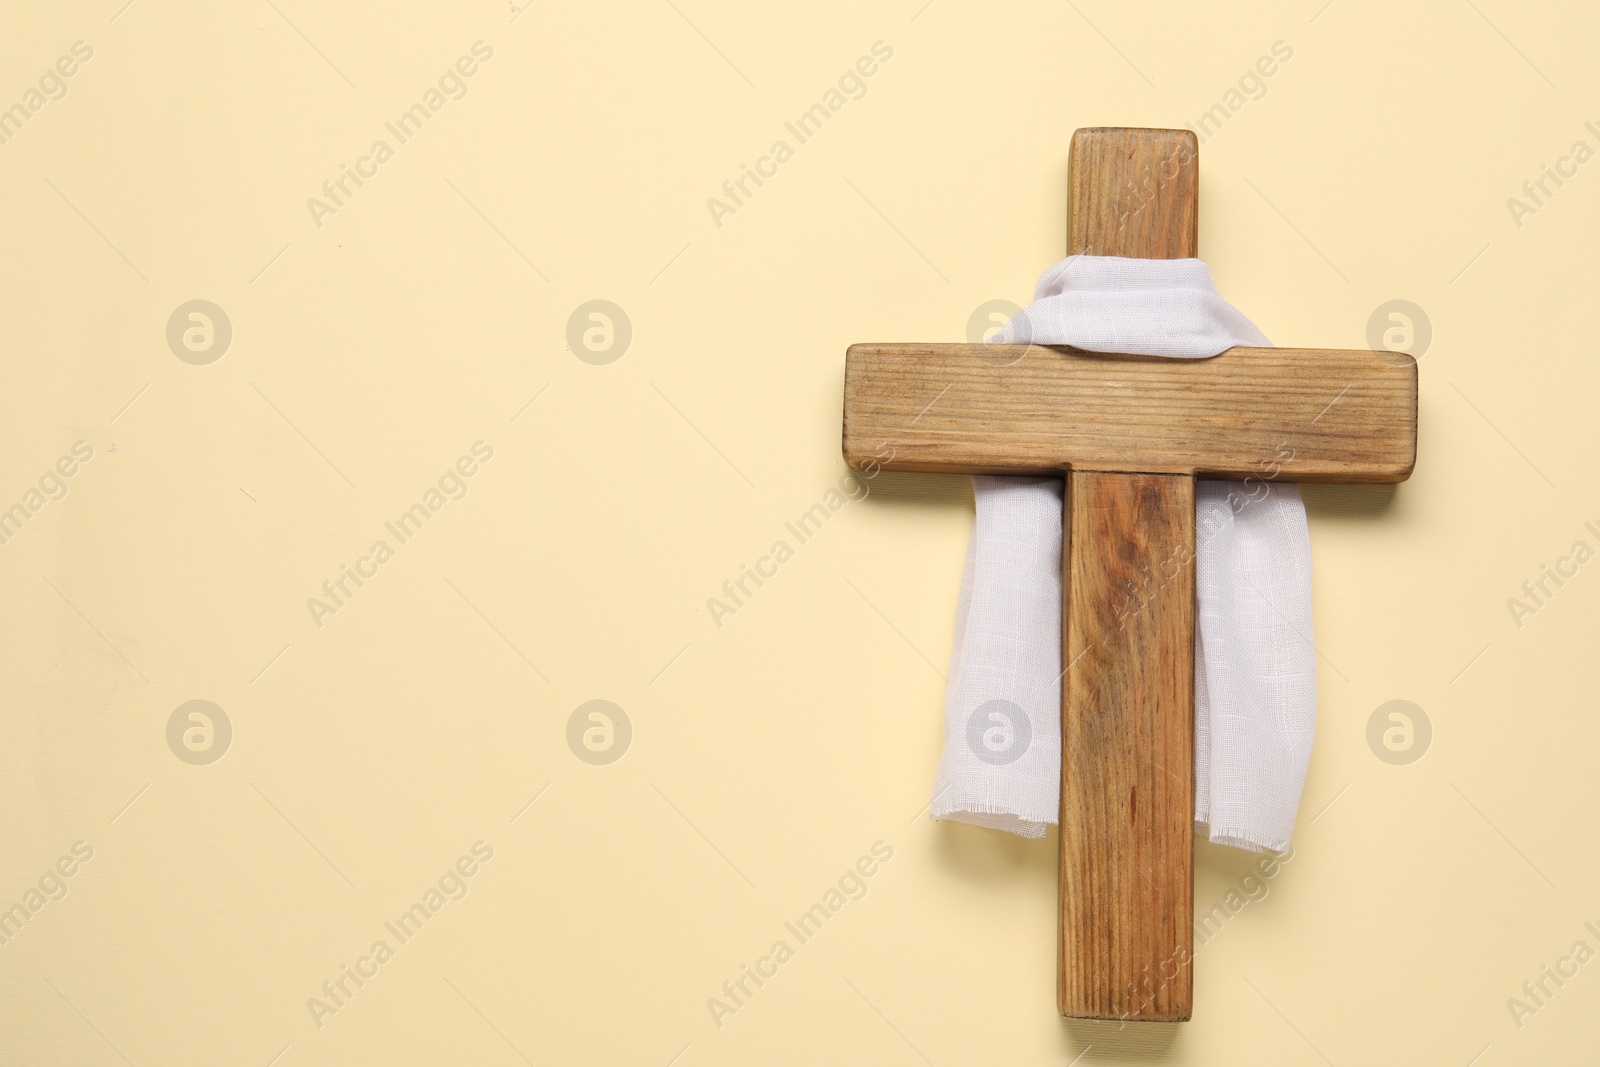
(767, 755)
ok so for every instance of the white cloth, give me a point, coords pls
(1255, 668)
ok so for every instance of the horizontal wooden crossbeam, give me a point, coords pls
(1293, 414)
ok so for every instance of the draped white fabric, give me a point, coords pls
(1255, 668)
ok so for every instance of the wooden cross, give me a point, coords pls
(1130, 434)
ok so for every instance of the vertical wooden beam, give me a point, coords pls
(1127, 759)
(1134, 193)
(1127, 691)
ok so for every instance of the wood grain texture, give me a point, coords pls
(1127, 628)
(1322, 415)
(1127, 756)
(1134, 192)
